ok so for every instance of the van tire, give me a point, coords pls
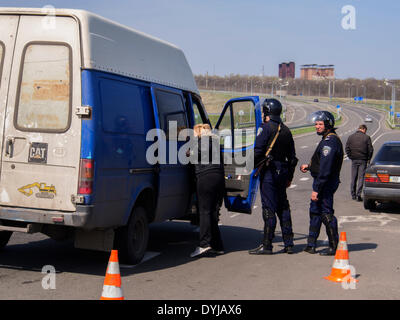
(132, 239)
(4, 238)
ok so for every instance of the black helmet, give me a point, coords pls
(325, 116)
(272, 108)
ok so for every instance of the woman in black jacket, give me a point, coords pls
(210, 186)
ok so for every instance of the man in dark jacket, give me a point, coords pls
(359, 149)
(275, 177)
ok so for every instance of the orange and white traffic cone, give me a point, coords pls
(341, 266)
(112, 283)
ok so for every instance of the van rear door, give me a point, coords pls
(41, 142)
(8, 27)
(237, 127)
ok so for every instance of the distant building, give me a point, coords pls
(317, 72)
(287, 70)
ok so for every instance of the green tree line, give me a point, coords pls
(370, 88)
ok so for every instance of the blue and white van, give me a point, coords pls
(78, 94)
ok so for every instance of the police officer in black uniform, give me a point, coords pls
(324, 167)
(275, 177)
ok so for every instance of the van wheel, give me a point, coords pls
(4, 238)
(369, 204)
(132, 239)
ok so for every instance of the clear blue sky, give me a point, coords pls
(242, 36)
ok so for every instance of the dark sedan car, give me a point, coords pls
(382, 177)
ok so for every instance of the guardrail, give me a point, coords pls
(301, 126)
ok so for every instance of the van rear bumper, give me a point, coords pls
(81, 218)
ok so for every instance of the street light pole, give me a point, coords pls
(365, 94)
(384, 92)
(393, 97)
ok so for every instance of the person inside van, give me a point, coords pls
(210, 186)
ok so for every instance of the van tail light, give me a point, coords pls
(86, 173)
(371, 177)
(383, 177)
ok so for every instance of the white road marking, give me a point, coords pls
(383, 219)
(235, 215)
(147, 256)
(379, 126)
(390, 132)
(304, 179)
(303, 147)
(293, 186)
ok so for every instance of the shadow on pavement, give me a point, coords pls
(173, 240)
(361, 246)
(387, 208)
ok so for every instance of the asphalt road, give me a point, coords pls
(169, 273)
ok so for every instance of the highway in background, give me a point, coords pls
(169, 273)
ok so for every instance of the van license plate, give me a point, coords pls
(38, 152)
(394, 179)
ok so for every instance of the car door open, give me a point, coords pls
(237, 128)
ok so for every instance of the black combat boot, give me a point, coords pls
(331, 251)
(328, 252)
(260, 250)
(309, 249)
(266, 246)
(288, 250)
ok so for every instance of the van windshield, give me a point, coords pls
(388, 154)
(44, 89)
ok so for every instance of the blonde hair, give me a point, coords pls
(202, 129)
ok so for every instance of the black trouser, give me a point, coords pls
(273, 183)
(321, 211)
(357, 176)
(210, 191)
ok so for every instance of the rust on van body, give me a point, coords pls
(55, 90)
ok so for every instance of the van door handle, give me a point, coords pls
(10, 147)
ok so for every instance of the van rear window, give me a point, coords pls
(44, 98)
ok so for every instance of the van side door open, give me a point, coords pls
(41, 143)
(173, 181)
(237, 127)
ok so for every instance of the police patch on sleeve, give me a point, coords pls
(326, 150)
(259, 131)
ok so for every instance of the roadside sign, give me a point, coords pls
(398, 114)
(338, 106)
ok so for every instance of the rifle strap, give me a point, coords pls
(273, 141)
